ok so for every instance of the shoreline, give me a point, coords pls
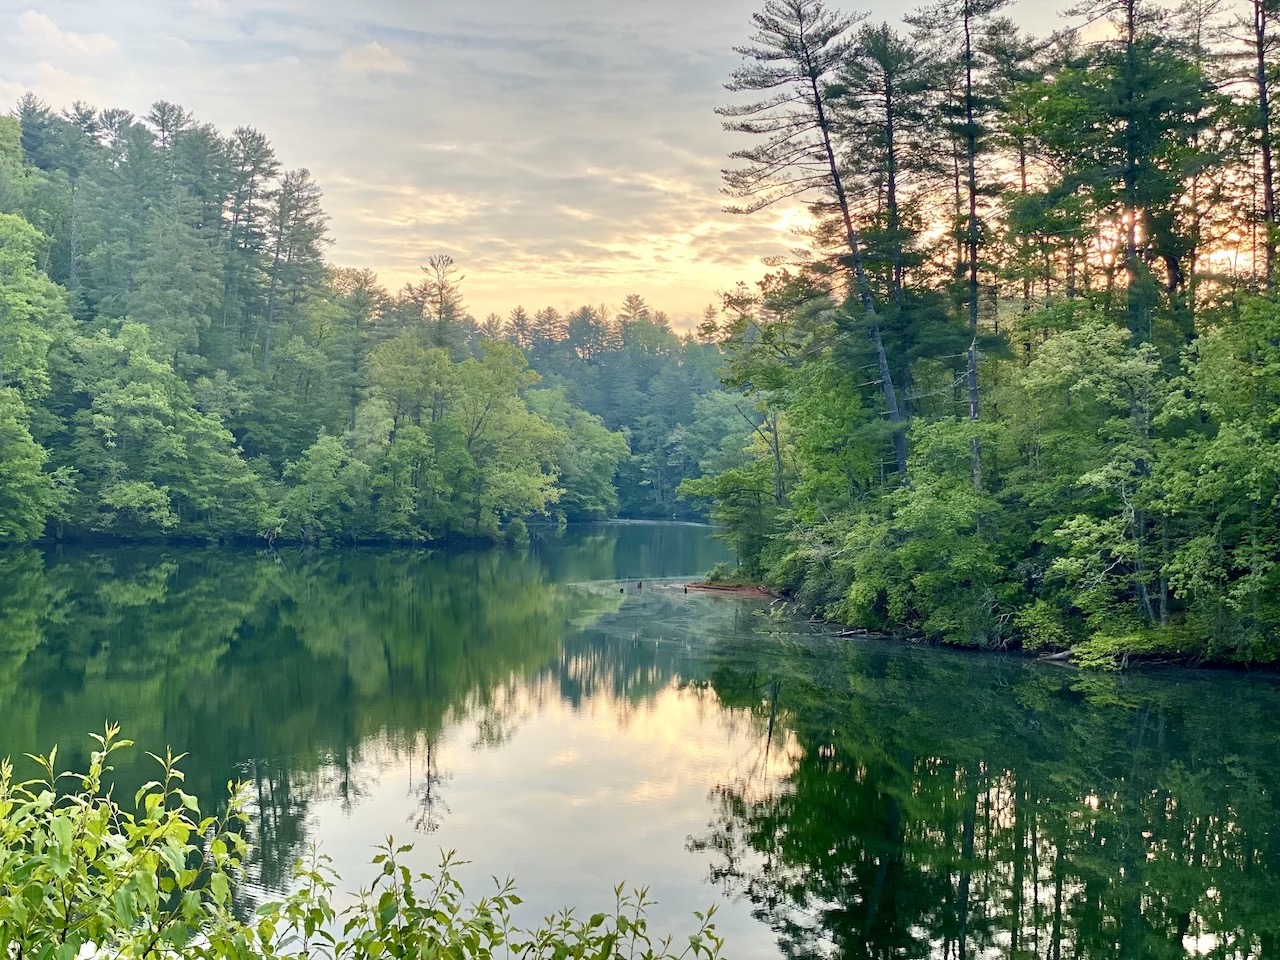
(745, 590)
(1057, 658)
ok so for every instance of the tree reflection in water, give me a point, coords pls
(876, 800)
(949, 805)
(303, 675)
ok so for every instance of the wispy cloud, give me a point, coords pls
(36, 31)
(373, 58)
(564, 151)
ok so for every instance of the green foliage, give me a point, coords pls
(1128, 509)
(934, 565)
(659, 391)
(328, 490)
(406, 915)
(146, 459)
(720, 573)
(1042, 626)
(33, 311)
(80, 872)
(1049, 249)
(745, 508)
(588, 457)
(192, 367)
(27, 494)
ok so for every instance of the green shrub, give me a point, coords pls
(720, 573)
(78, 871)
(1042, 626)
(518, 532)
(81, 876)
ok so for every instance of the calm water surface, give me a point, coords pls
(551, 720)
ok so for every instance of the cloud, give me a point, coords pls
(563, 152)
(10, 93)
(54, 85)
(372, 59)
(38, 31)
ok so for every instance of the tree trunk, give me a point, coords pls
(971, 239)
(1164, 567)
(1026, 269)
(1260, 22)
(975, 446)
(779, 481)
(73, 267)
(271, 311)
(863, 287)
(891, 191)
(1133, 303)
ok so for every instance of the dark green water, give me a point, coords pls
(833, 797)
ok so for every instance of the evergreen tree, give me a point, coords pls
(797, 46)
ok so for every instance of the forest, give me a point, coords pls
(1018, 386)
(179, 359)
(1022, 387)
(1014, 387)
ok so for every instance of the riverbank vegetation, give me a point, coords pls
(83, 874)
(178, 358)
(1023, 387)
(1020, 389)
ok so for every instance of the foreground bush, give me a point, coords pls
(81, 876)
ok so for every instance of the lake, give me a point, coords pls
(567, 715)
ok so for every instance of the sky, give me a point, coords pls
(561, 151)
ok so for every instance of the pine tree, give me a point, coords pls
(797, 47)
(297, 235)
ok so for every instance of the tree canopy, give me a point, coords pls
(1074, 230)
(179, 358)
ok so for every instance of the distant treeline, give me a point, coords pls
(1025, 387)
(178, 358)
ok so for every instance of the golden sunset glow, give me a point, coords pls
(561, 156)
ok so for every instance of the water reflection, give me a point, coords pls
(941, 805)
(281, 669)
(555, 722)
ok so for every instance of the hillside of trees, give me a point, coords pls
(1025, 387)
(178, 358)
